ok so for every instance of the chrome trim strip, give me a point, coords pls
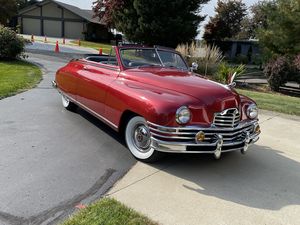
(90, 110)
(212, 128)
(201, 144)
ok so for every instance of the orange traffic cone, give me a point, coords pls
(100, 51)
(56, 47)
(79, 42)
(32, 38)
(64, 41)
(45, 40)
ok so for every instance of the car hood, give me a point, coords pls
(206, 91)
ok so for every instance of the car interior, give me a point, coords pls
(108, 60)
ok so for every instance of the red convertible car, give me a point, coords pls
(152, 97)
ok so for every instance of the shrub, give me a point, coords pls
(11, 45)
(241, 59)
(277, 71)
(296, 65)
(225, 72)
(297, 62)
(208, 57)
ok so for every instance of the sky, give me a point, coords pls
(208, 9)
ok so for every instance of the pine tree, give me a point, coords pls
(227, 21)
(162, 22)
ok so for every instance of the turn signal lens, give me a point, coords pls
(257, 129)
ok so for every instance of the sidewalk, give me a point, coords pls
(261, 188)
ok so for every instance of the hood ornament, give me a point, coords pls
(231, 82)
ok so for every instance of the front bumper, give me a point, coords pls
(217, 140)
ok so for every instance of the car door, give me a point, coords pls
(95, 78)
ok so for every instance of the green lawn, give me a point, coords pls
(105, 47)
(274, 102)
(109, 212)
(17, 76)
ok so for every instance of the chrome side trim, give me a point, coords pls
(103, 119)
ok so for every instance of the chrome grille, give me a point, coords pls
(227, 118)
(186, 135)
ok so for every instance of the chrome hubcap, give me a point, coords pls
(141, 138)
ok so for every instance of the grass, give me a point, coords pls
(17, 76)
(109, 212)
(274, 102)
(105, 47)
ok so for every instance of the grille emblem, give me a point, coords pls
(227, 118)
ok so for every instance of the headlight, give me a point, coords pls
(252, 111)
(183, 115)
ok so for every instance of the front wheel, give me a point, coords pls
(138, 140)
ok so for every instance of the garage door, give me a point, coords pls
(52, 28)
(74, 30)
(31, 26)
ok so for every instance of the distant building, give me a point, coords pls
(234, 49)
(56, 19)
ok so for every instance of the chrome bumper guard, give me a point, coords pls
(54, 85)
(216, 141)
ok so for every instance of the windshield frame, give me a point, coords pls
(159, 57)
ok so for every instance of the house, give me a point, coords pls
(56, 19)
(234, 49)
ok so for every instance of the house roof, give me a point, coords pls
(88, 15)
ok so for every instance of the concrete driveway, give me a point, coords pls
(261, 188)
(52, 159)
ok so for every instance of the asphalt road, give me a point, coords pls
(52, 159)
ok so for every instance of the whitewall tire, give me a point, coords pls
(67, 104)
(138, 140)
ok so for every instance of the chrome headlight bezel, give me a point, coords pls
(183, 115)
(252, 111)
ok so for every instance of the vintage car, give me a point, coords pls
(152, 97)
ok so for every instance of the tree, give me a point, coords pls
(227, 21)
(257, 19)
(8, 9)
(24, 3)
(282, 31)
(167, 22)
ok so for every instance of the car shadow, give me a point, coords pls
(264, 178)
(100, 125)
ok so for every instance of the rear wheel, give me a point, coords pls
(67, 103)
(138, 140)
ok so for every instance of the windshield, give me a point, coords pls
(146, 57)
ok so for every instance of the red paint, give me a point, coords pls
(80, 206)
(154, 93)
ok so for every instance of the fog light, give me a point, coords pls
(257, 129)
(200, 136)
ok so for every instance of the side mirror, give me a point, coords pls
(194, 66)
